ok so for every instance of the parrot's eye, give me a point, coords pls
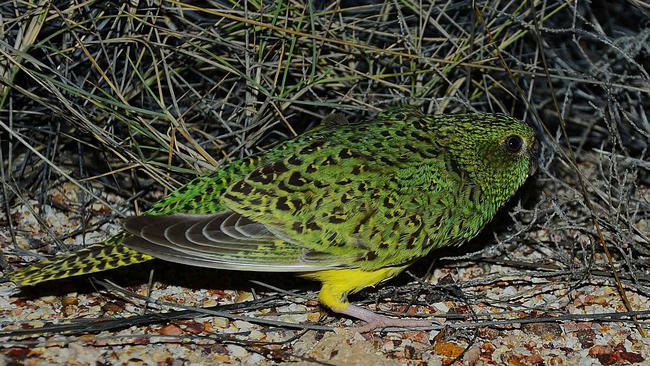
(514, 144)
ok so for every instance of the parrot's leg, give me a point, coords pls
(338, 283)
(378, 321)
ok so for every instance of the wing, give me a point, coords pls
(346, 196)
(226, 240)
(357, 193)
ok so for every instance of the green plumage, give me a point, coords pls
(366, 195)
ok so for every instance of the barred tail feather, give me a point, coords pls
(95, 258)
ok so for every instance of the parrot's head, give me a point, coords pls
(497, 152)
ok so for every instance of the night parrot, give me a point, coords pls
(348, 204)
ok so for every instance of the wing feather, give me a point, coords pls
(225, 240)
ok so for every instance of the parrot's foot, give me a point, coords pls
(375, 320)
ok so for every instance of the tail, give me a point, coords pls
(95, 258)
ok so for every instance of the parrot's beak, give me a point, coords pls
(534, 158)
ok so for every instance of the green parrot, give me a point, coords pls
(348, 204)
